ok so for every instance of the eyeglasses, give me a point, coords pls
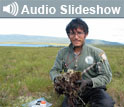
(72, 34)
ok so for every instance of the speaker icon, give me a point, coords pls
(12, 9)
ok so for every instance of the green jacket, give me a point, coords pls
(100, 74)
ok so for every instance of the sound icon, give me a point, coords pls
(12, 9)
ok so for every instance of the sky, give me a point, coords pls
(109, 29)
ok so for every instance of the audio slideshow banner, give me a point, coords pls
(61, 8)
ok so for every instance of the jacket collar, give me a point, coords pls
(71, 47)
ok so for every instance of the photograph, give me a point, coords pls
(64, 61)
(61, 54)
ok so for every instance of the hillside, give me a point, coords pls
(48, 39)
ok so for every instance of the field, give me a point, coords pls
(24, 75)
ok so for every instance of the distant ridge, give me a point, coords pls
(101, 42)
(48, 39)
(25, 38)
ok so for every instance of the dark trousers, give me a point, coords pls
(96, 97)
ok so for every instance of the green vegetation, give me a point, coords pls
(24, 75)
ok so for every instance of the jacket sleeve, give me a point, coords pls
(57, 67)
(103, 70)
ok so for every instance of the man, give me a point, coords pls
(79, 56)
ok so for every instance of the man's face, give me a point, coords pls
(77, 37)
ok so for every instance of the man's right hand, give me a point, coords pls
(56, 79)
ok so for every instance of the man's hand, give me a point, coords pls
(59, 87)
(84, 83)
(57, 78)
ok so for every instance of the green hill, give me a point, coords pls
(25, 39)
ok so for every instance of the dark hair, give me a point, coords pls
(77, 23)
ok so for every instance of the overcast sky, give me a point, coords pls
(99, 28)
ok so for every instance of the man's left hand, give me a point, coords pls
(84, 83)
